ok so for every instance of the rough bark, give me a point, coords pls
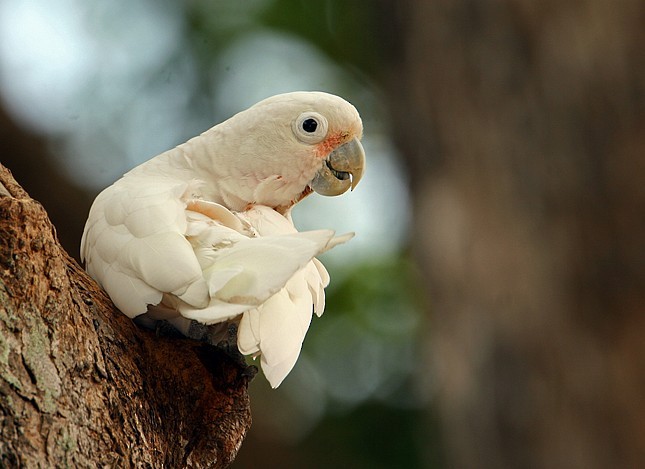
(81, 385)
(523, 126)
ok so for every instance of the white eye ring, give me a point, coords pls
(310, 127)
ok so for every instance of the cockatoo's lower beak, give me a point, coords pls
(342, 169)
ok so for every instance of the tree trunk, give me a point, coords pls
(81, 385)
(523, 126)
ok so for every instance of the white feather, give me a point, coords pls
(192, 234)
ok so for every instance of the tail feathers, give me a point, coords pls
(277, 329)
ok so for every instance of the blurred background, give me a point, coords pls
(490, 311)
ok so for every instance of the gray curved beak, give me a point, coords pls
(342, 170)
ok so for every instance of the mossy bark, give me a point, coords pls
(81, 385)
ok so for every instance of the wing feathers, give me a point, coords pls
(146, 245)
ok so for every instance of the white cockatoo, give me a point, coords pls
(203, 232)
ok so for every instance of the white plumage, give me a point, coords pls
(204, 232)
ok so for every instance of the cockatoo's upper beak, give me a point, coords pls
(342, 169)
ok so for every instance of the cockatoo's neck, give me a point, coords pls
(201, 162)
(213, 159)
(205, 157)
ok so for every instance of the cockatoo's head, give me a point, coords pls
(284, 147)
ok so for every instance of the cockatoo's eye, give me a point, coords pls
(310, 127)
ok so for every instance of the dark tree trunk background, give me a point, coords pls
(523, 126)
(80, 385)
(32, 165)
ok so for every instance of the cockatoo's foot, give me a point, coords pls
(197, 331)
(222, 336)
(225, 339)
(161, 327)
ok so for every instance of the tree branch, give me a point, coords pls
(81, 385)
